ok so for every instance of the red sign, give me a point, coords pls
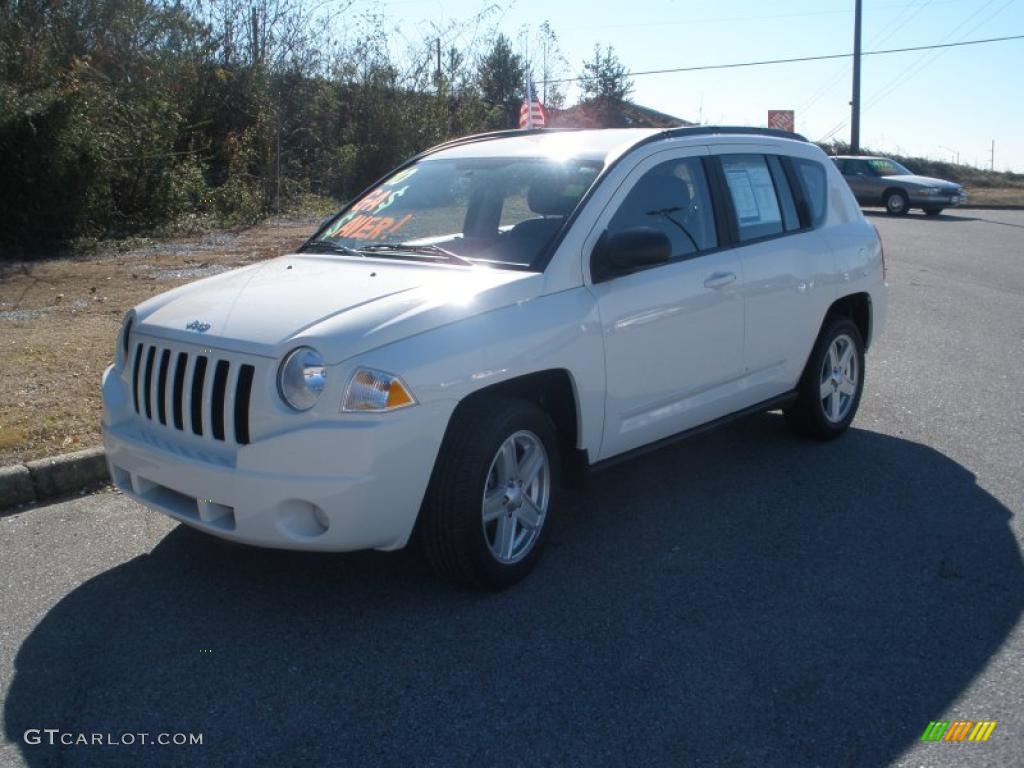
(781, 119)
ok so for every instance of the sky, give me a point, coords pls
(945, 104)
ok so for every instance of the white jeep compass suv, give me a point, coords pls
(499, 313)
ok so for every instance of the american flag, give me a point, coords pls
(531, 113)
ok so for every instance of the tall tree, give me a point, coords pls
(502, 76)
(605, 86)
(548, 64)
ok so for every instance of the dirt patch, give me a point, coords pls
(59, 319)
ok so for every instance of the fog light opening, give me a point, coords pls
(321, 518)
(302, 519)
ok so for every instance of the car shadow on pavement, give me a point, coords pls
(746, 598)
(997, 223)
(915, 214)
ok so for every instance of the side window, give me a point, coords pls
(854, 167)
(753, 196)
(673, 198)
(785, 194)
(811, 176)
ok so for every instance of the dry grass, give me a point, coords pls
(995, 195)
(59, 319)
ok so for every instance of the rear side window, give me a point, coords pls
(854, 167)
(753, 196)
(811, 176)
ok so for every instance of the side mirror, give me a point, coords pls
(628, 251)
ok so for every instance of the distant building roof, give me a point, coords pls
(629, 115)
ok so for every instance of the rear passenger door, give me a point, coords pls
(776, 204)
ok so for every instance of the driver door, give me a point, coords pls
(673, 332)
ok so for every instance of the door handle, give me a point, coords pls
(719, 280)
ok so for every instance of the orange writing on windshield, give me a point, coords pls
(371, 227)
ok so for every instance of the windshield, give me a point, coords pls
(503, 211)
(885, 167)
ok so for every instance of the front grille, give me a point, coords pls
(204, 394)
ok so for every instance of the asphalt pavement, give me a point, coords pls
(743, 599)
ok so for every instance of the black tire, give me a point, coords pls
(896, 203)
(452, 532)
(932, 211)
(807, 416)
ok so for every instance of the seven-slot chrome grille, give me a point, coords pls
(200, 393)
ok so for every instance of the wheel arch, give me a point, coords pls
(857, 307)
(554, 391)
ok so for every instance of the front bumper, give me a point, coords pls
(945, 200)
(345, 485)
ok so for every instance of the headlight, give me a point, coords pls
(301, 378)
(375, 392)
(122, 352)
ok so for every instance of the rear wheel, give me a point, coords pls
(897, 203)
(932, 211)
(829, 391)
(488, 508)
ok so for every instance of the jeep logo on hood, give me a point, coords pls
(198, 326)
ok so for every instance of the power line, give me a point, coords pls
(733, 19)
(926, 58)
(901, 20)
(795, 60)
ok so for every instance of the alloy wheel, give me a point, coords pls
(839, 376)
(516, 496)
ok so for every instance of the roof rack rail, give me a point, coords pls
(700, 130)
(690, 130)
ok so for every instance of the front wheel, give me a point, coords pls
(488, 508)
(897, 203)
(829, 391)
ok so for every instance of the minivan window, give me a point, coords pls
(673, 197)
(753, 196)
(811, 176)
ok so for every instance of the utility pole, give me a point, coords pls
(992, 157)
(438, 66)
(544, 71)
(277, 202)
(855, 101)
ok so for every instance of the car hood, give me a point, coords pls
(343, 306)
(924, 181)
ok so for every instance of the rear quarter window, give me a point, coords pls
(811, 176)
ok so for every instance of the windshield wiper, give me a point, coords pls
(323, 246)
(428, 249)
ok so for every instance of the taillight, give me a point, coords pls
(881, 248)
